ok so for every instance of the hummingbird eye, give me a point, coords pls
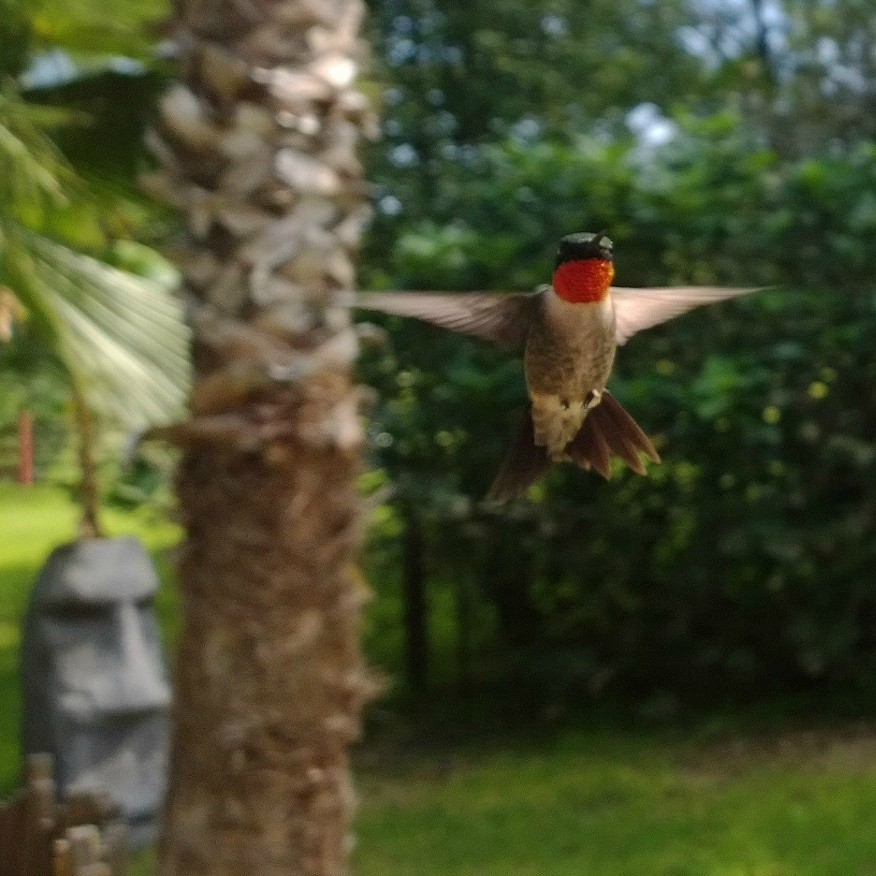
(602, 240)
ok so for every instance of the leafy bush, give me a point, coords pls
(744, 561)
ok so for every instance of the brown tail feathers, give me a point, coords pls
(524, 463)
(608, 430)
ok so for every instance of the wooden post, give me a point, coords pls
(41, 837)
(62, 858)
(39, 809)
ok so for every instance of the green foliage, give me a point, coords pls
(118, 335)
(99, 320)
(741, 565)
(30, 380)
(95, 28)
(15, 38)
(464, 72)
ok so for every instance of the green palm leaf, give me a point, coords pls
(120, 337)
(33, 175)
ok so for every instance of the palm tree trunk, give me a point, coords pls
(258, 151)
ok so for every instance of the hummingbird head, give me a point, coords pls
(585, 245)
(584, 267)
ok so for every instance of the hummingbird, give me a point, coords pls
(569, 332)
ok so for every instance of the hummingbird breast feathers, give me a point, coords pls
(568, 358)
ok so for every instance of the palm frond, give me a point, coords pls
(93, 28)
(33, 174)
(121, 337)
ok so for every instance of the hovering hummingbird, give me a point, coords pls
(569, 333)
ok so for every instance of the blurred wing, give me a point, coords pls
(495, 317)
(639, 309)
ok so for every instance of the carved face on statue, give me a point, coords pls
(96, 693)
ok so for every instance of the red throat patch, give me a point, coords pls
(585, 280)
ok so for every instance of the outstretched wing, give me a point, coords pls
(493, 316)
(639, 309)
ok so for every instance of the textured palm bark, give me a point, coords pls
(258, 150)
(269, 680)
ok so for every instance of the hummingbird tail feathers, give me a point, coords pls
(523, 465)
(608, 430)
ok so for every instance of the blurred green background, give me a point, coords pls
(664, 675)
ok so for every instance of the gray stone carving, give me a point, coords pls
(96, 692)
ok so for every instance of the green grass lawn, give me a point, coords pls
(559, 797)
(630, 803)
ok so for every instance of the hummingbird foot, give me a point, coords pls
(594, 397)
